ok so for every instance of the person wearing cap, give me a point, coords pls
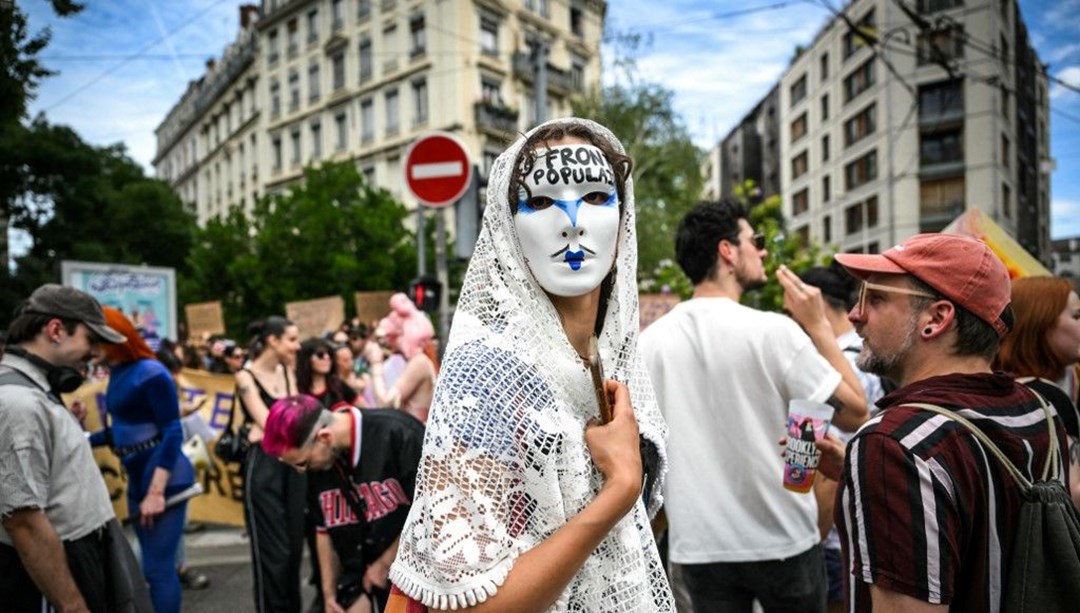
(926, 518)
(724, 376)
(53, 503)
(377, 453)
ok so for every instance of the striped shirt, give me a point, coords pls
(922, 510)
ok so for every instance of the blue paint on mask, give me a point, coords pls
(574, 259)
(570, 207)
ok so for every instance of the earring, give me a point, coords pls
(927, 331)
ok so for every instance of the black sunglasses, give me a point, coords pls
(322, 353)
(758, 239)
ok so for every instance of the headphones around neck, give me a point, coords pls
(62, 379)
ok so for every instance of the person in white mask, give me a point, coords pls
(524, 501)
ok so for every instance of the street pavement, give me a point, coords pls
(223, 555)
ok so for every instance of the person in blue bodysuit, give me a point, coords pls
(146, 434)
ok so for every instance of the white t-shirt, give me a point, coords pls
(723, 375)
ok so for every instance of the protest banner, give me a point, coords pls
(1020, 263)
(372, 306)
(204, 318)
(652, 306)
(316, 317)
(222, 483)
(147, 295)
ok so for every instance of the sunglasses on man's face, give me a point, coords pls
(889, 289)
(758, 240)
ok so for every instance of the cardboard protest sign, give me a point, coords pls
(372, 306)
(204, 318)
(318, 316)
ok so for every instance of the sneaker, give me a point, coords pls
(193, 579)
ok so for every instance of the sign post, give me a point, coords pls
(438, 171)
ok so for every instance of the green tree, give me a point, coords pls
(81, 202)
(330, 234)
(667, 176)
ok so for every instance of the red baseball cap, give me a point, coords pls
(961, 268)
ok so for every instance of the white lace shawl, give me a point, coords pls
(505, 463)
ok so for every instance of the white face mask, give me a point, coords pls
(568, 219)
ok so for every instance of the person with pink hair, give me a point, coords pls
(408, 331)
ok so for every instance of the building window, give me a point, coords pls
(860, 216)
(273, 46)
(824, 65)
(941, 147)
(577, 19)
(390, 48)
(825, 107)
(489, 35)
(369, 175)
(798, 90)
(420, 102)
(342, 128)
(294, 90)
(826, 189)
(313, 26)
(933, 6)
(275, 99)
(861, 171)
(275, 148)
(367, 120)
(826, 228)
(313, 82)
(1006, 201)
(316, 140)
(940, 46)
(799, 165)
(864, 34)
(293, 41)
(859, 80)
(940, 201)
(577, 73)
(941, 100)
(367, 69)
(802, 236)
(337, 14)
(1004, 50)
(490, 92)
(800, 201)
(861, 125)
(363, 9)
(798, 128)
(417, 36)
(294, 137)
(1005, 151)
(393, 113)
(338, 64)
(825, 148)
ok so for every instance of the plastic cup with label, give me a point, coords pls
(807, 422)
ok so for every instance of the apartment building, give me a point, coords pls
(313, 80)
(900, 115)
(751, 151)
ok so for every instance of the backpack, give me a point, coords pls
(1042, 574)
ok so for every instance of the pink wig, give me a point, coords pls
(411, 328)
(289, 423)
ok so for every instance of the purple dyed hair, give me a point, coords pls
(290, 423)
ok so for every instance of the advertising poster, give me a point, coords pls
(147, 295)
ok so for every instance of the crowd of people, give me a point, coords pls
(513, 476)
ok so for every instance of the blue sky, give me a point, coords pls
(124, 63)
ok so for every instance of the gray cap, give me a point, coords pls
(70, 303)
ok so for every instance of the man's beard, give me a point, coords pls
(746, 282)
(886, 365)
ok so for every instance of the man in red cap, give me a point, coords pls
(926, 517)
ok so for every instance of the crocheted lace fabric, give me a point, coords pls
(505, 462)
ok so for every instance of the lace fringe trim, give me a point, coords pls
(656, 498)
(451, 598)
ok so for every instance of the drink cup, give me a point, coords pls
(807, 422)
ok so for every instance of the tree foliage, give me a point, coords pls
(667, 177)
(76, 201)
(331, 233)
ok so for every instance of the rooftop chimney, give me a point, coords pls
(249, 13)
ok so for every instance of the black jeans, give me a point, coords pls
(86, 560)
(797, 583)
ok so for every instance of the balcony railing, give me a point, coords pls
(493, 117)
(556, 78)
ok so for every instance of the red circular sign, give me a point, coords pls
(437, 169)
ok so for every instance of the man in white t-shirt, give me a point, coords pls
(724, 374)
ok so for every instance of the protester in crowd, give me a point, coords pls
(54, 506)
(235, 357)
(190, 578)
(737, 533)
(408, 330)
(838, 291)
(273, 494)
(345, 367)
(317, 374)
(375, 454)
(145, 433)
(524, 500)
(215, 355)
(1045, 343)
(928, 519)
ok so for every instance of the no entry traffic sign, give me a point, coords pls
(437, 169)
